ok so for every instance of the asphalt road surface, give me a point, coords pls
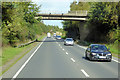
(51, 59)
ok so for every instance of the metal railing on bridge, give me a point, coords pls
(79, 13)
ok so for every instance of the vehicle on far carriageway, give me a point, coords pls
(98, 52)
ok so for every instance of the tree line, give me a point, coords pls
(103, 23)
(19, 24)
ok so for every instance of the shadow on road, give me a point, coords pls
(51, 41)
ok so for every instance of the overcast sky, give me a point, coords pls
(54, 6)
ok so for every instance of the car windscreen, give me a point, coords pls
(69, 40)
(59, 36)
(98, 47)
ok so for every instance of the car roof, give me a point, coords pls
(69, 38)
(96, 44)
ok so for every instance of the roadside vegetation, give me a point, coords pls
(19, 26)
(102, 27)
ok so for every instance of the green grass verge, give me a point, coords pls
(8, 53)
(114, 49)
(19, 57)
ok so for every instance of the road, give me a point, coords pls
(54, 60)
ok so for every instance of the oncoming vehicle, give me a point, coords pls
(98, 52)
(58, 37)
(69, 41)
(48, 35)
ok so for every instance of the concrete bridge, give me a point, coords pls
(71, 15)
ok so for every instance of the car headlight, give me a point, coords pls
(109, 54)
(93, 53)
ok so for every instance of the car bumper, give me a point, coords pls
(69, 44)
(101, 57)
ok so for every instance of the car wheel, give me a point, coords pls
(109, 60)
(86, 56)
(90, 58)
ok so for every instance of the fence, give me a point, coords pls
(22, 45)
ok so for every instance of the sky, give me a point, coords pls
(54, 6)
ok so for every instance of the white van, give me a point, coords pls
(48, 35)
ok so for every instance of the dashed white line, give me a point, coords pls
(84, 73)
(59, 44)
(63, 49)
(66, 53)
(72, 59)
(17, 73)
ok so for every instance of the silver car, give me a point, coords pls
(69, 41)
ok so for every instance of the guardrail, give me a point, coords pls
(22, 45)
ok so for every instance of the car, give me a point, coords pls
(69, 41)
(98, 52)
(58, 37)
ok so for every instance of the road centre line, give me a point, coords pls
(72, 59)
(84, 73)
(86, 48)
(66, 53)
(63, 49)
(17, 73)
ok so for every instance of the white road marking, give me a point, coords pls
(72, 59)
(66, 53)
(59, 44)
(82, 47)
(17, 73)
(63, 49)
(115, 60)
(84, 73)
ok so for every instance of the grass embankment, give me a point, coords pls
(114, 49)
(9, 53)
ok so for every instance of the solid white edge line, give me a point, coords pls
(84, 73)
(115, 60)
(72, 59)
(17, 73)
(66, 53)
(86, 48)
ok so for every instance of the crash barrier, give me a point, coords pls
(22, 45)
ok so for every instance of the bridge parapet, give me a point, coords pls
(79, 13)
